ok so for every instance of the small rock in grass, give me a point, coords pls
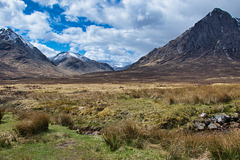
(203, 115)
(212, 126)
(220, 118)
(200, 126)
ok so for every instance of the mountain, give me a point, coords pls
(19, 58)
(73, 63)
(210, 49)
(121, 68)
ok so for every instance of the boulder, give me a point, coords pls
(200, 126)
(212, 126)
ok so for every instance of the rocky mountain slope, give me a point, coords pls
(73, 63)
(211, 48)
(19, 58)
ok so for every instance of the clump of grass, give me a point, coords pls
(36, 123)
(225, 146)
(206, 94)
(6, 140)
(65, 120)
(127, 133)
(1, 114)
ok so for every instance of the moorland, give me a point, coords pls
(119, 120)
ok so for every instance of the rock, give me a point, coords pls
(218, 125)
(200, 126)
(220, 118)
(212, 126)
(203, 115)
(226, 116)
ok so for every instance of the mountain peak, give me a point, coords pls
(75, 63)
(60, 57)
(11, 36)
(218, 11)
(211, 45)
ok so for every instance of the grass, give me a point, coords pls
(139, 121)
(178, 145)
(34, 124)
(65, 120)
(1, 114)
(62, 143)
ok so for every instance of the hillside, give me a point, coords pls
(19, 58)
(211, 48)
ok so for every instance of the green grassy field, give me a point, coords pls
(134, 120)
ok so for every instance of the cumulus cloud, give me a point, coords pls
(47, 51)
(137, 26)
(36, 24)
(46, 2)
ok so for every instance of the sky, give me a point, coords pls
(117, 32)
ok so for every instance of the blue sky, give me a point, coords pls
(115, 31)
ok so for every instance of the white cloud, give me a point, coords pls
(138, 25)
(36, 24)
(49, 52)
(46, 2)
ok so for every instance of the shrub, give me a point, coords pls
(35, 124)
(1, 113)
(65, 120)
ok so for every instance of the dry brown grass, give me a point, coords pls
(207, 94)
(36, 123)
(179, 145)
(127, 133)
(1, 114)
(65, 120)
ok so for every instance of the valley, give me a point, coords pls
(87, 120)
(179, 101)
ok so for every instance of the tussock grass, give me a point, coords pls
(6, 140)
(225, 146)
(126, 133)
(1, 114)
(179, 145)
(212, 94)
(36, 123)
(65, 120)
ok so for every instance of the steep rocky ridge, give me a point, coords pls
(211, 48)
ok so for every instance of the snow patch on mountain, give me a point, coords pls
(65, 55)
(10, 35)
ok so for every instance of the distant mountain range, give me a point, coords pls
(208, 50)
(73, 63)
(19, 59)
(121, 68)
